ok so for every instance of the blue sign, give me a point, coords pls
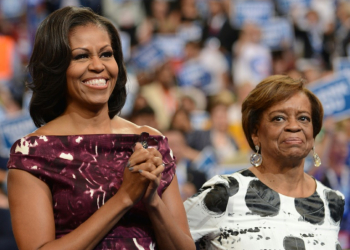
(124, 1)
(195, 75)
(125, 41)
(257, 12)
(277, 33)
(341, 64)
(12, 129)
(334, 94)
(147, 57)
(285, 5)
(171, 45)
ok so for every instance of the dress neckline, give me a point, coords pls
(251, 174)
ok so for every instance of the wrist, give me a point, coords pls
(124, 199)
(153, 203)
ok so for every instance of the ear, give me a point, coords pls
(255, 138)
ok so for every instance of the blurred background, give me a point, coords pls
(190, 65)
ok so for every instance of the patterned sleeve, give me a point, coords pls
(21, 158)
(205, 209)
(169, 162)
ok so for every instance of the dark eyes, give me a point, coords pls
(107, 54)
(282, 118)
(80, 56)
(304, 118)
(86, 55)
(278, 118)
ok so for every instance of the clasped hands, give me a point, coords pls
(142, 175)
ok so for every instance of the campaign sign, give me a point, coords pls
(195, 75)
(124, 1)
(202, 8)
(171, 45)
(285, 5)
(147, 57)
(277, 34)
(13, 128)
(341, 64)
(334, 94)
(257, 12)
(125, 41)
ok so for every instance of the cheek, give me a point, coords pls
(114, 69)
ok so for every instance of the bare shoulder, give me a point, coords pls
(47, 129)
(123, 126)
(57, 126)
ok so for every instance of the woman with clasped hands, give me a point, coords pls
(84, 180)
(273, 204)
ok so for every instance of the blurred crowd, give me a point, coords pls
(190, 65)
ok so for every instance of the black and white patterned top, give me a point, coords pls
(238, 211)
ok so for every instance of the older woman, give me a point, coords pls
(82, 180)
(274, 204)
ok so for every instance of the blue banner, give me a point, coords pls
(257, 12)
(334, 94)
(285, 6)
(171, 45)
(195, 75)
(147, 57)
(125, 41)
(12, 129)
(341, 64)
(277, 33)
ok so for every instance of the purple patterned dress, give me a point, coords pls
(83, 172)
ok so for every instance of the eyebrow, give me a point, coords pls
(88, 50)
(283, 111)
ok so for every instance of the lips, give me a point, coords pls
(293, 140)
(100, 82)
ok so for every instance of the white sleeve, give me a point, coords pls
(206, 209)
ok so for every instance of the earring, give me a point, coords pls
(256, 158)
(316, 158)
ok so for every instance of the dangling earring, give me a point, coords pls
(256, 158)
(316, 158)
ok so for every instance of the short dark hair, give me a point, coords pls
(51, 58)
(270, 91)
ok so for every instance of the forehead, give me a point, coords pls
(298, 102)
(88, 32)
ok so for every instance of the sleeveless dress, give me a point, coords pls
(83, 172)
(238, 211)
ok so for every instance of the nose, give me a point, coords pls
(293, 125)
(96, 64)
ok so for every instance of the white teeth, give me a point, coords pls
(96, 82)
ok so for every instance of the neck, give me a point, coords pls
(289, 180)
(88, 122)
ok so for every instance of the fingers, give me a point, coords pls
(149, 175)
(137, 146)
(141, 156)
(149, 165)
(154, 152)
(159, 169)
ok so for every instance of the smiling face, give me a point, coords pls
(93, 70)
(285, 132)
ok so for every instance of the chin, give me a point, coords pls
(296, 154)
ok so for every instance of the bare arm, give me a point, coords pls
(169, 220)
(33, 218)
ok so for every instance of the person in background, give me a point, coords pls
(144, 117)
(162, 94)
(190, 179)
(335, 174)
(217, 138)
(86, 179)
(274, 204)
